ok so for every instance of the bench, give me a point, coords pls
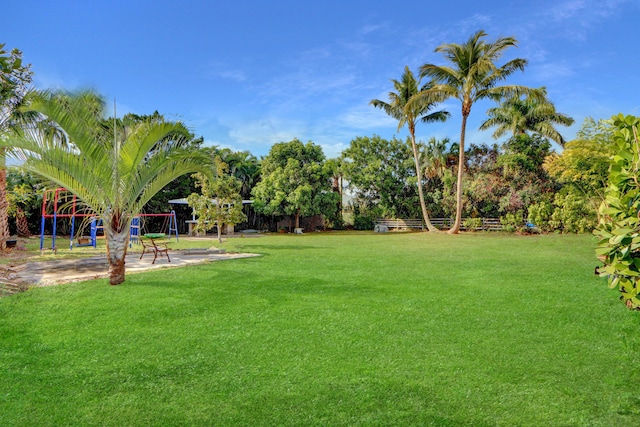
(150, 246)
(400, 224)
(488, 224)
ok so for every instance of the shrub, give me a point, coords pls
(472, 224)
(572, 213)
(512, 222)
(362, 223)
(540, 214)
(619, 230)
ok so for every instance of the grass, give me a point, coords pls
(332, 329)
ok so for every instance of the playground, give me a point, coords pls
(71, 246)
(60, 205)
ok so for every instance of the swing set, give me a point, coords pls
(60, 203)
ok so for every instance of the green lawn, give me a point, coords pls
(332, 329)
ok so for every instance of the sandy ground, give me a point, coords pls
(72, 270)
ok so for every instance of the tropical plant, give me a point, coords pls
(531, 113)
(113, 168)
(24, 193)
(619, 228)
(470, 76)
(18, 197)
(14, 78)
(244, 166)
(407, 108)
(295, 181)
(219, 202)
(380, 174)
(584, 162)
(434, 157)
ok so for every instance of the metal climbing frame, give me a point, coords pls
(62, 195)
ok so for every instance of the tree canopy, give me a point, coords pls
(295, 181)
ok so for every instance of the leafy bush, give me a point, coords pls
(540, 214)
(472, 224)
(362, 223)
(619, 230)
(512, 221)
(572, 213)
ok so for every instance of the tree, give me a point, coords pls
(19, 197)
(14, 78)
(434, 157)
(24, 193)
(471, 75)
(619, 228)
(219, 202)
(533, 113)
(113, 168)
(584, 162)
(244, 166)
(405, 106)
(177, 189)
(381, 174)
(295, 181)
(337, 174)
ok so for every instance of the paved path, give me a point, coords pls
(72, 270)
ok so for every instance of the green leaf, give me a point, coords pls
(621, 231)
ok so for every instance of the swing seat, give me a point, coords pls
(83, 241)
(150, 246)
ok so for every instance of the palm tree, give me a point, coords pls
(114, 169)
(14, 77)
(529, 114)
(435, 157)
(405, 106)
(470, 76)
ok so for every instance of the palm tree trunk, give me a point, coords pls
(117, 242)
(456, 225)
(21, 223)
(423, 204)
(4, 204)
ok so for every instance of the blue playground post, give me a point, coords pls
(134, 230)
(42, 232)
(73, 231)
(95, 224)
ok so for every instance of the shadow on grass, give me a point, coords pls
(250, 247)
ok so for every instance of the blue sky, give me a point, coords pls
(248, 74)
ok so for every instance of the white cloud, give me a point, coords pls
(578, 17)
(566, 10)
(366, 117)
(264, 132)
(235, 75)
(550, 72)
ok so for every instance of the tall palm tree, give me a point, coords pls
(405, 106)
(113, 176)
(472, 75)
(14, 78)
(529, 114)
